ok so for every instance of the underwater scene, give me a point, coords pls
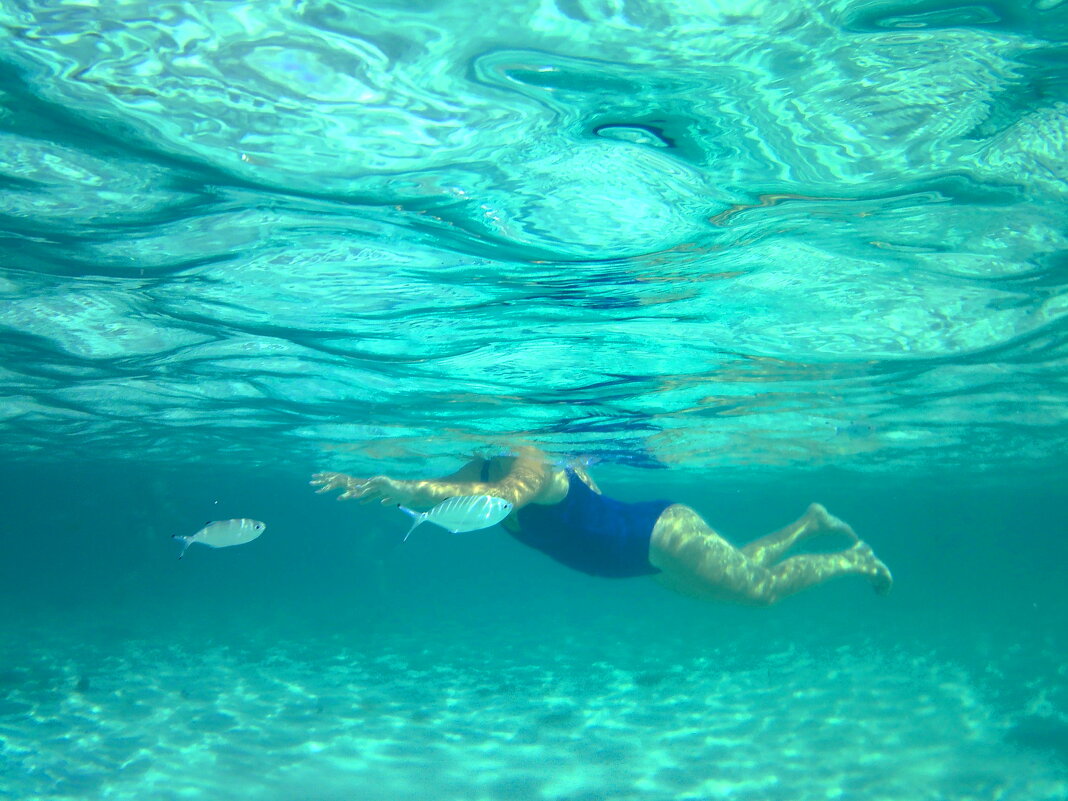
(716, 353)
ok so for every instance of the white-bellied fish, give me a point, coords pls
(224, 533)
(462, 513)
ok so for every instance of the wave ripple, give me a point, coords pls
(756, 234)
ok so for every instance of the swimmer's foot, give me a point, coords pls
(871, 566)
(820, 521)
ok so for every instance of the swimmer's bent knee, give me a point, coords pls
(759, 596)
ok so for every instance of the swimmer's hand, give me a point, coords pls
(381, 488)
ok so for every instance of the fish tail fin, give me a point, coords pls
(419, 518)
(185, 543)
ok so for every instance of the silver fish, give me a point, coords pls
(462, 513)
(224, 533)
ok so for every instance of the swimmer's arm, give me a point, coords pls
(527, 477)
(390, 490)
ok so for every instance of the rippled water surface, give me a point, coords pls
(719, 233)
(789, 250)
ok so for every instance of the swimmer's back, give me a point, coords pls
(590, 532)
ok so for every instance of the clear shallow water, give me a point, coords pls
(792, 252)
(312, 663)
(711, 234)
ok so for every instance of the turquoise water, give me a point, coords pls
(742, 254)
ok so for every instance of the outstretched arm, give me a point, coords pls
(527, 476)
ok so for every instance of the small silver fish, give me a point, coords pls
(224, 533)
(462, 513)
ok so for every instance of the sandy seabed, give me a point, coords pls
(173, 718)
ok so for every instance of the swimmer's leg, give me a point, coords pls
(799, 572)
(696, 561)
(817, 520)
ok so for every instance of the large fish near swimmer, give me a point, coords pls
(462, 513)
(223, 533)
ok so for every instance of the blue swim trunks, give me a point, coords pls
(589, 532)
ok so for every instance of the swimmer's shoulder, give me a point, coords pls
(586, 478)
(554, 479)
(559, 481)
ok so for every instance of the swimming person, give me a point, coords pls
(561, 512)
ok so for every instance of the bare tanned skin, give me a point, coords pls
(696, 561)
(523, 479)
(692, 557)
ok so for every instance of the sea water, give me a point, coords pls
(744, 255)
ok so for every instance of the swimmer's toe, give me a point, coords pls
(882, 580)
(825, 522)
